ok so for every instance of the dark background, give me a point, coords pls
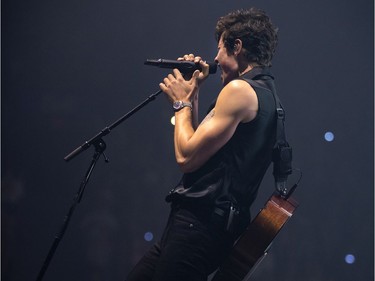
(70, 68)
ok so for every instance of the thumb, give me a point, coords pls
(195, 75)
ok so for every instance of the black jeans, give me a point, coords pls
(193, 246)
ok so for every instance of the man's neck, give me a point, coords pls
(247, 69)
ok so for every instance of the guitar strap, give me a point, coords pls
(282, 152)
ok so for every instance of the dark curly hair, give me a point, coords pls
(256, 31)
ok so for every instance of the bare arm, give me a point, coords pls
(236, 103)
(195, 111)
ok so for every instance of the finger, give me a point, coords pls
(167, 81)
(170, 77)
(189, 57)
(197, 59)
(163, 87)
(177, 74)
(205, 67)
(195, 75)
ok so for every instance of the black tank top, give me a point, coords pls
(235, 172)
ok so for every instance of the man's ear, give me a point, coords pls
(237, 46)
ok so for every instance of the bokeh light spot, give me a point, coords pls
(329, 136)
(148, 236)
(349, 259)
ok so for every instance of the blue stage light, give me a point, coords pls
(148, 236)
(329, 136)
(349, 259)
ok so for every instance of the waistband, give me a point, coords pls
(230, 217)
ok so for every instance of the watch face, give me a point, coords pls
(177, 105)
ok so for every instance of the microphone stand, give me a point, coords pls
(107, 130)
(100, 146)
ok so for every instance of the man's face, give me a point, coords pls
(227, 62)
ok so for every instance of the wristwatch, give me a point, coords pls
(178, 105)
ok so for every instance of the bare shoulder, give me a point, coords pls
(239, 98)
(239, 87)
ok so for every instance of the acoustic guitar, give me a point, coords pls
(254, 243)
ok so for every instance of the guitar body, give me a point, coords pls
(253, 245)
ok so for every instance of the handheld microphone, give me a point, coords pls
(183, 66)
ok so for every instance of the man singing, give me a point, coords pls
(224, 158)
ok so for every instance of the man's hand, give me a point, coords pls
(198, 60)
(185, 88)
(179, 89)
